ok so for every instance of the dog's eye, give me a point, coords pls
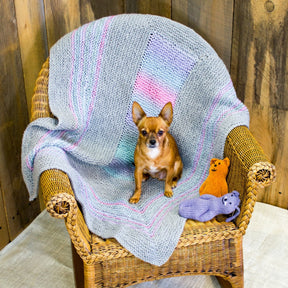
(160, 132)
(144, 133)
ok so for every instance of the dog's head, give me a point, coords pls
(152, 130)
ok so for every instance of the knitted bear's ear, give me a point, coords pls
(227, 161)
(213, 160)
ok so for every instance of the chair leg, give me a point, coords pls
(231, 282)
(78, 267)
(90, 276)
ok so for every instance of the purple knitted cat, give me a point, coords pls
(206, 207)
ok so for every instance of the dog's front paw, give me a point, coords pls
(168, 193)
(135, 197)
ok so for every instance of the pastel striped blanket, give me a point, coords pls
(96, 72)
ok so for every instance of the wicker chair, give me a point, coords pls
(210, 248)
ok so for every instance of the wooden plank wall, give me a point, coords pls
(16, 210)
(249, 36)
(259, 70)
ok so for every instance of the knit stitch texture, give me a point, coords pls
(96, 72)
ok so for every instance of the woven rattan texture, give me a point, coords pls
(212, 248)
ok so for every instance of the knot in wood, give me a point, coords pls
(269, 5)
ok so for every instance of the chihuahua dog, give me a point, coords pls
(156, 152)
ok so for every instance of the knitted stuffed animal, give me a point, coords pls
(215, 184)
(206, 207)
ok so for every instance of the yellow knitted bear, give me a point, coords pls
(215, 184)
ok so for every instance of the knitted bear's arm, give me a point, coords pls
(207, 196)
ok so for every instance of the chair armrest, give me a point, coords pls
(40, 104)
(57, 193)
(250, 169)
(61, 203)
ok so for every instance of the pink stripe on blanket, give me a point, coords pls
(94, 92)
(154, 90)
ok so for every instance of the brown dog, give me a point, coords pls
(156, 153)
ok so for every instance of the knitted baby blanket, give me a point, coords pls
(96, 72)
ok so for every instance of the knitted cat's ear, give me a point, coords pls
(167, 113)
(137, 113)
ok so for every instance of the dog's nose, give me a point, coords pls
(152, 141)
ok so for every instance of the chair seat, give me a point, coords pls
(200, 232)
(210, 248)
(194, 232)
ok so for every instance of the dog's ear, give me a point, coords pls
(137, 113)
(167, 113)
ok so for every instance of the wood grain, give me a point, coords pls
(61, 18)
(155, 7)
(91, 10)
(13, 121)
(33, 41)
(4, 232)
(260, 73)
(212, 19)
